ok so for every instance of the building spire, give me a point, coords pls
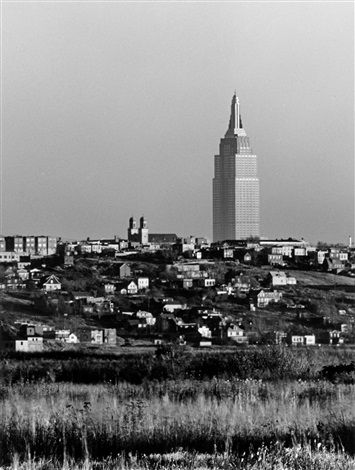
(235, 120)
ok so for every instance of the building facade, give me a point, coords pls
(235, 184)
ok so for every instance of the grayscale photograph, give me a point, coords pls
(177, 254)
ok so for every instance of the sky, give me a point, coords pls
(117, 109)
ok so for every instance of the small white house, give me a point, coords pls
(31, 344)
(265, 297)
(109, 288)
(72, 338)
(205, 332)
(234, 330)
(309, 340)
(143, 283)
(150, 320)
(52, 284)
(296, 340)
(132, 288)
(172, 306)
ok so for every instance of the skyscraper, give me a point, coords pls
(235, 184)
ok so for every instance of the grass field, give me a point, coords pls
(72, 422)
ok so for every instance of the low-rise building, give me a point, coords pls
(280, 278)
(109, 288)
(52, 283)
(265, 297)
(275, 259)
(132, 288)
(143, 283)
(30, 344)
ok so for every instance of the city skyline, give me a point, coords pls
(236, 193)
(114, 109)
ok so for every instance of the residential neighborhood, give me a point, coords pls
(118, 292)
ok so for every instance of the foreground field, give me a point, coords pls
(277, 458)
(263, 408)
(57, 422)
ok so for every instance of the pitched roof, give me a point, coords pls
(52, 279)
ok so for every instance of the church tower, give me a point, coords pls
(132, 230)
(235, 184)
(143, 231)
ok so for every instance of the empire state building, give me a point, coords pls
(235, 184)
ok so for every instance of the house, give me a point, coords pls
(52, 284)
(333, 264)
(23, 264)
(9, 257)
(26, 330)
(86, 335)
(62, 335)
(344, 328)
(172, 306)
(228, 253)
(277, 278)
(23, 274)
(31, 344)
(143, 283)
(242, 283)
(132, 288)
(247, 258)
(150, 320)
(301, 340)
(72, 338)
(275, 259)
(295, 340)
(187, 283)
(109, 336)
(309, 340)
(10, 273)
(234, 330)
(109, 288)
(124, 270)
(97, 336)
(280, 337)
(204, 331)
(265, 297)
(207, 282)
(280, 278)
(35, 275)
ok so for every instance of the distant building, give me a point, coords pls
(265, 297)
(275, 259)
(138, 236)
(31, 344)
(143, 283)
(132, 288)
(235, 184)
(109, 288)
(124, 270)
(9, 257)
(52, 284)
(30, 245)
(162, 238)
(143, 231)
(279, 278)
(41, 245)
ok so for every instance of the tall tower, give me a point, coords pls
(143, 231)
(235, 184)
(132, 230)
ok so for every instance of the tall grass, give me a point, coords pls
(265, 458)
(267, 363)
(68, 421)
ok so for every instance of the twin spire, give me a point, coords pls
(235, 121)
